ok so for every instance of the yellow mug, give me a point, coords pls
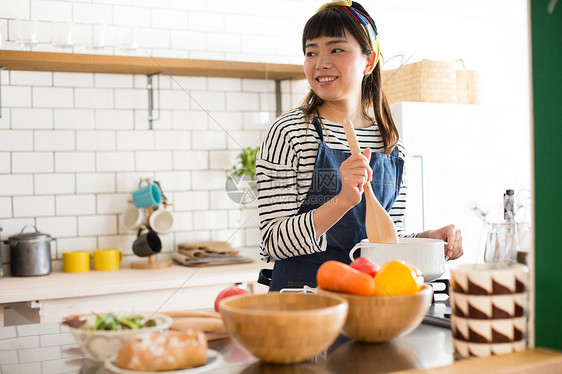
(76, 261)
(107, 259)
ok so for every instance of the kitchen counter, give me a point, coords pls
(49, 298)
(50, 348)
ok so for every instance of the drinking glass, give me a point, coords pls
(502, 243)
(26, 32)
(63, 34)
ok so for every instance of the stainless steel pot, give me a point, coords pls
(30, 253)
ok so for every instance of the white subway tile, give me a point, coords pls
(243, 139)
(252, 235)
(209, 139)
(258, 120)
(223, 159)
(242, 101)
(153, 160)
(124, 243)
(31, 118)
(173, 140)
(9, 357)
(95, 182)
(131, 99)
(30, 78)
(133, 140)
(14, 9)
(113, 80)
(204, 100)
(30, 368)
(12, 227)
(258, 85)
(225, 121)
(193, 236)
(233, 237)
(92, 13)
(74, 161)
(183, 221)
(187, 40)
(206, 21)
(114, 119)
(56, 339)
(5, 162)
(221, 200)
(97, 225)
(168, 242)
(34, 206)
(115, 161)
(128, 182)
(114, 2)
(53, 97)
(246, 217)
(191, 160)
(39, 354)
(73, 79)
(112, 203)
(13, 184)
(258, 44)
(174, 99)
(8, 332)
(189, 120)
(188, 83)
(60, 140)
(153, 38)
(67, 205)
(95, 140)
(51, 10)
(240, 24)
(132, 16)
(61, 366)
(74, 119)
(16, 140)
(98, 98)
(58, 227)
(75, 244)
(14, 96)
(32, 162)
(223, 42)
(5, 207)
(209, 220)
(52, 184)
(268, 102)
(169, 19)
(187, 4)
(173, 181)
(19, 343)
(6, 117)
(191, 200)
(208, 180)
(225, 84)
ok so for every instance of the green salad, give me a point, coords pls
(110, 321)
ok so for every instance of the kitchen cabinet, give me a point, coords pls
(51, 297)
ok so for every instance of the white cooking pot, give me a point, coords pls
(427, 254)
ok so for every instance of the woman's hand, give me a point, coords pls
(449, 234)
(355, 172)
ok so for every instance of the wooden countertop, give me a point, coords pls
(63, 285)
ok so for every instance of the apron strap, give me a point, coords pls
(318, 128)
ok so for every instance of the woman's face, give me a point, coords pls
(334, 68)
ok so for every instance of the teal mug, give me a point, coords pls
(147, 196)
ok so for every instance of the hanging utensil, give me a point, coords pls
(378, 224)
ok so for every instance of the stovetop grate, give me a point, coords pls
(439, 312)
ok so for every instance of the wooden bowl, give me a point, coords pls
(284, 327)
(382, 318)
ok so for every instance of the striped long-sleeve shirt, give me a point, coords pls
(284, 168)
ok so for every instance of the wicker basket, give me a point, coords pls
(431, 81)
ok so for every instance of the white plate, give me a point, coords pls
(214, 359)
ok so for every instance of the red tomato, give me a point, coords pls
(228, 292)
(366, 266)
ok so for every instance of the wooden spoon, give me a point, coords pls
(378, 224)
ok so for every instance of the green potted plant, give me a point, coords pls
(241, 186)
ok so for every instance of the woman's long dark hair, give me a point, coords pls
(336, 22)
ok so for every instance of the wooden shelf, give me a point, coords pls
(84, 63)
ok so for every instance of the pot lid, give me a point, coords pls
(29, 236)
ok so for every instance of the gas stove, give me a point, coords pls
(439, 313)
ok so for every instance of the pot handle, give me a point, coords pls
(356, 247)
(26, 226)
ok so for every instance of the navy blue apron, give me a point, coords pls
(296, 272)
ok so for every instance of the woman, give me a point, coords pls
(310, 186)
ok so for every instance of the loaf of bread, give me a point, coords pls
(170, 350)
